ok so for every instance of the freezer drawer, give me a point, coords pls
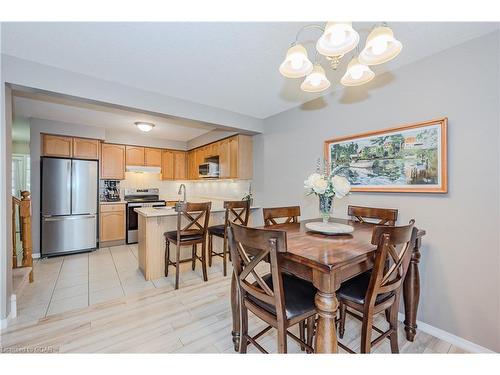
(68, 233)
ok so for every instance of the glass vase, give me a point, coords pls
(325, 207)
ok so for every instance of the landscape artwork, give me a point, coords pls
(410, 158)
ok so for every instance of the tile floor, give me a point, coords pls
(75, 281)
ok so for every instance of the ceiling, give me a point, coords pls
(233, 66)
(79, 112)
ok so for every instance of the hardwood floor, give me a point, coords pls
(194, 319)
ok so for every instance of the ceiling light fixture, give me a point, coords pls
(144, 126)
(338, 39)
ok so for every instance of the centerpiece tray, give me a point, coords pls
(329, 228)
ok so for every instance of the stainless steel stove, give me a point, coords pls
(139, 198)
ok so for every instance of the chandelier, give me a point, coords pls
(338, 39)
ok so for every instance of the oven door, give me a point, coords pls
(132, 221)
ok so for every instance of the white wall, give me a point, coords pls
(212, 136)
(460, 265)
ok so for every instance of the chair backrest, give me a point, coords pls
(249, 247)
(394, 251)
(289, 214)
(196, 218)
(237, 212)
(386, 216)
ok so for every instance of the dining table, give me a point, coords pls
(327, 261)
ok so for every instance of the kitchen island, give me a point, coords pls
(153, 222)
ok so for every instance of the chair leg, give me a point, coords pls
(311, 323)
(167, 257)
(193, 257)
(393, 321)
(388, 315)
(302, 333)
(204, 260)
(342, 311)
(243, 329)
(224, 254)
(210, 240)
(282, 338)
(366, 332)
(177, 263)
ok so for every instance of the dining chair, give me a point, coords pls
(192, 223)
(279, 299)
(379, 290)
(289, 214)
(386, 216)
(236, 212)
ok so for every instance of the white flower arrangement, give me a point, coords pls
(327, 184)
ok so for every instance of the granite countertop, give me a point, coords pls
(115, 202)
(169, 211)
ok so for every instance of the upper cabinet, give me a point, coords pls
(152, 157)
(112, 161)
(174, 165)
(57, 145)
(134, 155)
(235, 157)
(84, 148)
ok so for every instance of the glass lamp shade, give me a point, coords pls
(315, 81)
(381, 46)
(145, 126)
(338, 39)
(357, 74)
(296, 63)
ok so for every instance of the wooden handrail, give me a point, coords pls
(24, 205)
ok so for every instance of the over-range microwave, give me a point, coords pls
(208, 170)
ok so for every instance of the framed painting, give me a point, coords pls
(410, 158)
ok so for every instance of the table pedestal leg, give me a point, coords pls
(235, 309)
(326, 335)
(411, 293)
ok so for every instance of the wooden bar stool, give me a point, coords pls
(192, 233)
(236, 212)
(385, 216)
(288, 214)
(378, 291)
(279, 299)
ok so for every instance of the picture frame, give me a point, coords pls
(405, 159)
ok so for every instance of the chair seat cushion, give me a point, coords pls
(216, 230)
(172, 236)
(299, 296)
(355, 289)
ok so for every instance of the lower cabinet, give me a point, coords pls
(112, 222)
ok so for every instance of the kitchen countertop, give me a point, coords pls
(169, 211)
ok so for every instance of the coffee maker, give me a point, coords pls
(111, 190)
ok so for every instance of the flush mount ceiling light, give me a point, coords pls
(381, 46)
(315, 81)
(338, 39)
(144, 126)
(357, 74)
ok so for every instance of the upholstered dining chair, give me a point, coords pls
(385, 216)
(192, 223)
(284, 215)
(279, 299)
(379, 290)
(236, 212)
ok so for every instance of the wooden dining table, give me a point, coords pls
(327, 261)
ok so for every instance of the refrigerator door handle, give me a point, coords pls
(62, 218)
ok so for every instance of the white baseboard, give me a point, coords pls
(35, 256)
(448, 337)
(5, 322)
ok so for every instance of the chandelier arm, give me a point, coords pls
(307, 27)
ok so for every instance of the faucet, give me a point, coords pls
(181, 188)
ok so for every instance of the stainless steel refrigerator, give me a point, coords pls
(68, 206)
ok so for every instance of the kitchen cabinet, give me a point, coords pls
(84, 148)
(112, 161)
(56, 145)
(167, 168)
(241, 157)
(152, 157)
(112, 222)
(224, 159)
(134, 155)
(192, 168)
(180, 166)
